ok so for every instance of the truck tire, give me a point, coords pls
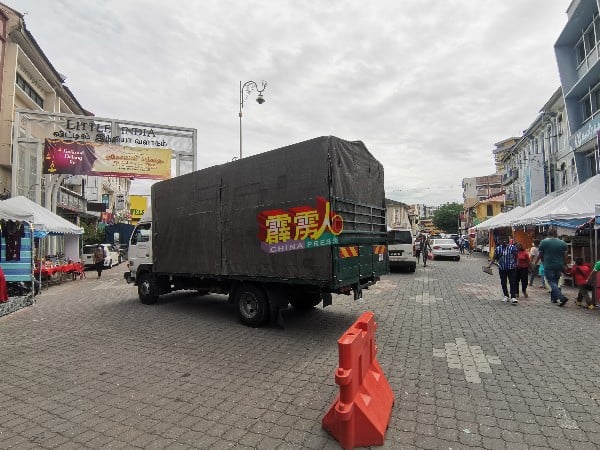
(147, 289)
(253, 305)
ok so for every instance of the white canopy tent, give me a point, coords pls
(576, 203)
(21, 208)
(44, 221)
(489, 223)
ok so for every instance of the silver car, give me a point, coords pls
(445, 248)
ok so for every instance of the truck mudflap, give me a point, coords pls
(357, 288)
(278, 301)
(128, 278)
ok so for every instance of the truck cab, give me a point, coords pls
(140, 247)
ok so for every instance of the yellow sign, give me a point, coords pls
(138, 205)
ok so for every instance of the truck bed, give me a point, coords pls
(312, 212)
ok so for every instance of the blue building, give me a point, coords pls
(578, 56)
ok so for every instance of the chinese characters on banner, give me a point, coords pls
(299, 228)
(86, 158)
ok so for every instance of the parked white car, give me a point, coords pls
(112, 257)
(445, 248)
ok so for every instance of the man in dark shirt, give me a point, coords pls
(553, 253)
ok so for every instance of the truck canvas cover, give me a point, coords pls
(280, 214)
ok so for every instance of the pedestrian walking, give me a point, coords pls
(425, 249)
(505, 255)
(523, 264)
(553, 253)
(99, 255)
(580, 273)
(418, 247)
(461, 245)
(468, 247)
(533, 254)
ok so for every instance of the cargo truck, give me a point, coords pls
(288, 226)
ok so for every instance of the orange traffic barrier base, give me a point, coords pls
(360, 414)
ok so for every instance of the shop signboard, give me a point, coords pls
(120, 202)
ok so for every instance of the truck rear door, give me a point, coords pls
(361, 255)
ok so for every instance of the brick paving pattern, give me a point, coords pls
(89, 366)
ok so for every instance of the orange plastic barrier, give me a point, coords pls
(361, 412)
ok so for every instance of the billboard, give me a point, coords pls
(92, 158)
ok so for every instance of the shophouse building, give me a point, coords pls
(397, 214)
(476, 190)
(29, 81)
(578, 57)
(540, 161)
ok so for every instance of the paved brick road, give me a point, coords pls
(90, 367)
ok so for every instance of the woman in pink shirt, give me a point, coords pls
(522, 269)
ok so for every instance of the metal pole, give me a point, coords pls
(241, 104)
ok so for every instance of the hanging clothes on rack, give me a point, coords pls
(12, 232)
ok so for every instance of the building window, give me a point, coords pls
(29, 91)
(490, 210)
(580, 52)
(559, 125)
(589, 38)
(563, 174)
(586, 107)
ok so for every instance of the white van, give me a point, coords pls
(400, 249)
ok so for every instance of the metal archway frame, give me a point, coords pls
(32, 127)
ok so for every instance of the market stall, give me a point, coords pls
(40, 224)
(570, 212)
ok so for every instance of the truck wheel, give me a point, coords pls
(147, 289)
(253, 305)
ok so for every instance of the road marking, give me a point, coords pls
(476, 288)
(564, 421)
(426, 299)
(424, 279)
(469, 358)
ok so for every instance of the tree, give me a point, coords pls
(446, 217)
(91, 234)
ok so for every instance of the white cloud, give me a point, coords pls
(429, 86)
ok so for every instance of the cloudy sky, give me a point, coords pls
(428, 85)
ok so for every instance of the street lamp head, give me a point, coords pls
(260, 100)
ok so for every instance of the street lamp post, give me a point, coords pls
(248, 86)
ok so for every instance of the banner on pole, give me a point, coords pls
(103, 159)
